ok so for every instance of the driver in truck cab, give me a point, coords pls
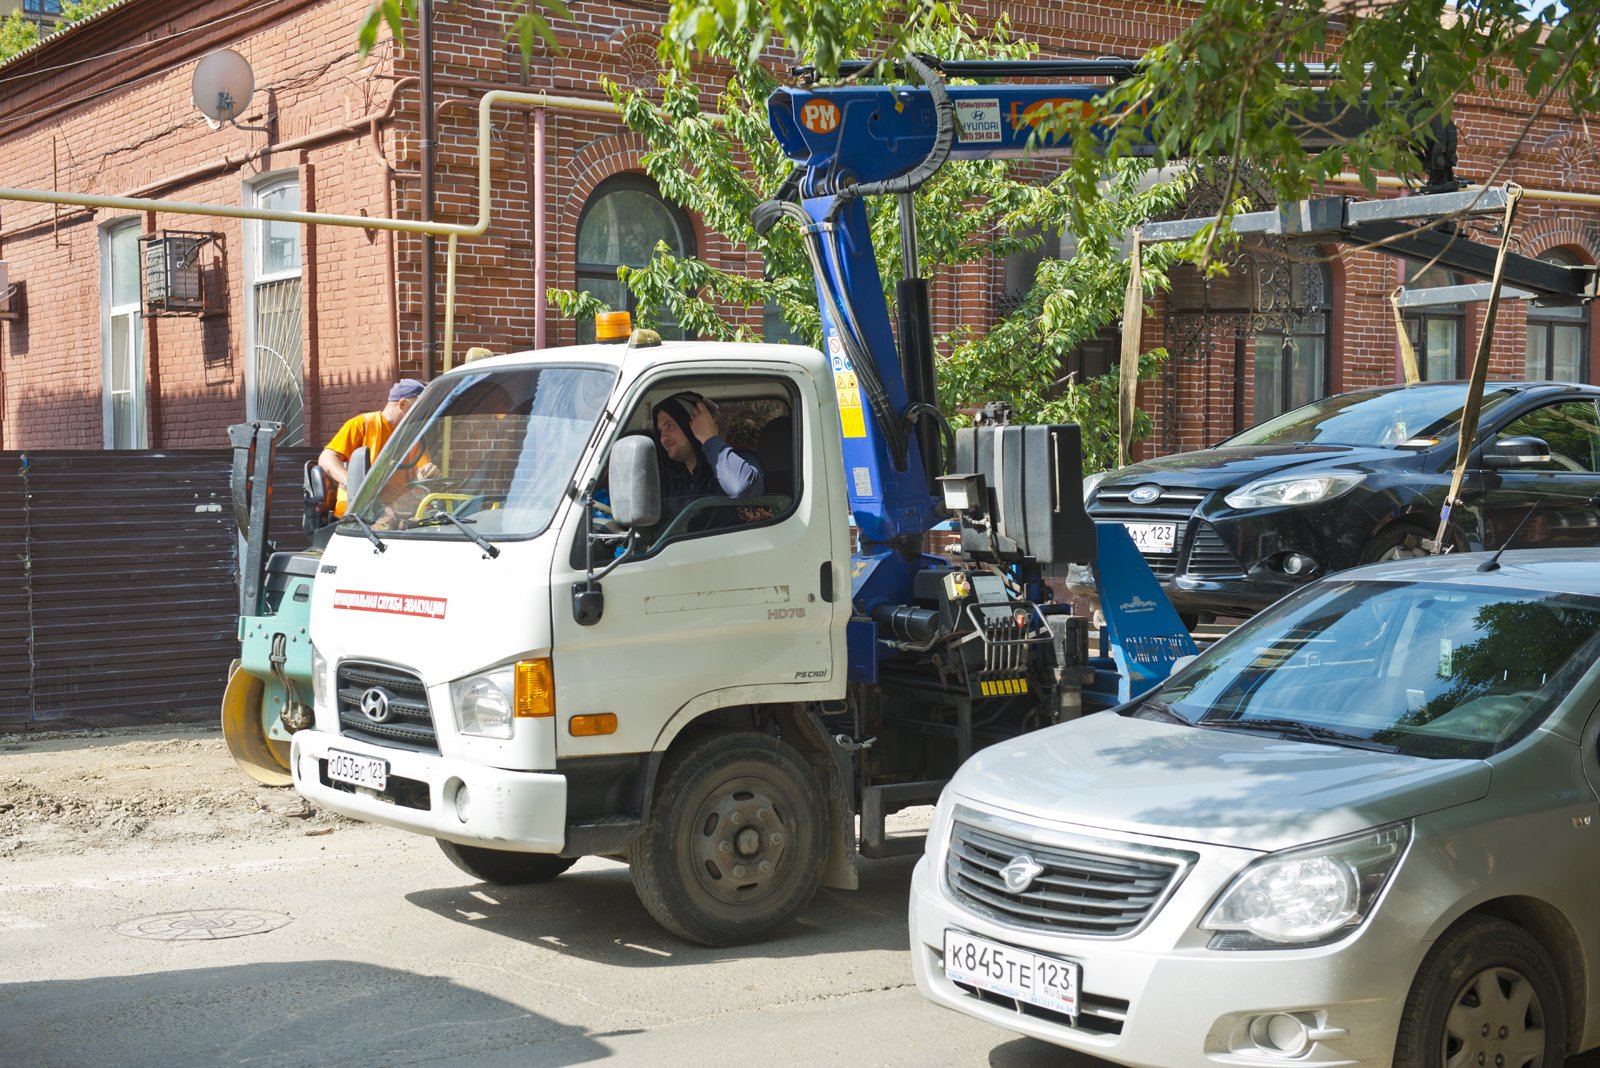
(696, 462)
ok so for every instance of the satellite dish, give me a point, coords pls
(223, 84)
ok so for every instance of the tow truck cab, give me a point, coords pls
(464, 689)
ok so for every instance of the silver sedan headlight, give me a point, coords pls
(1307, 896)
(484, 704)
(1269, 492)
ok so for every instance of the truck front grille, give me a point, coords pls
(409, 721)
(1079, 890)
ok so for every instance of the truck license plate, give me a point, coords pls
(1047, 982)
(1153, 537)
(358, 770)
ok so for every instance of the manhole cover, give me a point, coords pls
(202, 924)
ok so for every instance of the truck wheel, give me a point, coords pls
(503, 867)
(734, 849)
(1485, 994)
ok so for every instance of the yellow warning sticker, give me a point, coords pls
(851, 420)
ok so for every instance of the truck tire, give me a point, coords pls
(735, 846)
(503, 867)
(1485, 994)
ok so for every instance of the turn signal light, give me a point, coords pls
(589, 726)
(612, 326)
(536, 688)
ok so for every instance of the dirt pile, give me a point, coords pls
(136, 788)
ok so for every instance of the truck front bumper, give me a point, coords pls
(524, 811)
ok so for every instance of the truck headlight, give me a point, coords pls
(1269, 492)
(319, 679)
(483, 704)
(1307, 896)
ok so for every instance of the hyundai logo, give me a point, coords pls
(1020, 873)
(375, 704)
(1144, 494)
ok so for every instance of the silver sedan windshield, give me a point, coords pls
(494, 449)
(1437, 670)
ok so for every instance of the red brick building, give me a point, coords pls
(308, 324)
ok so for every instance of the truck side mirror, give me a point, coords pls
(635, 482)
(356, 471)
(1514, 452)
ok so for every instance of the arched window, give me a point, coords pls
(1436, 331)
(620, 225)
(1558, 338)
(275, 374)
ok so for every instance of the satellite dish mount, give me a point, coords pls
(222, 87)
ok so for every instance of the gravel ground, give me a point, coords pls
(137, 789)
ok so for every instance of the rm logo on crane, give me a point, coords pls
(820, 116)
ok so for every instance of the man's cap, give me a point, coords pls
(406, 389)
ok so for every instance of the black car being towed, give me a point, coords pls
(1356, 478)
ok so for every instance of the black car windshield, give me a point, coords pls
(1424, 669)
(495, 449)
(1392, 418)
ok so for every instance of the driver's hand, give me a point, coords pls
(701, 423)
(428, 470)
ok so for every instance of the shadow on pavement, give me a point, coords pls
(593, 914)
(312, 1013)
(1032, 1053)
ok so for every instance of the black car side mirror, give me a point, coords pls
(1515, 452)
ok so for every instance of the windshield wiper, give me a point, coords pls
(489, 550)
(371, 534)
(1296, 728)
(1158, 710)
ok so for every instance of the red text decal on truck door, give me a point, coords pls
(399, 604)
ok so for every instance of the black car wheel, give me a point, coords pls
(1485, 994)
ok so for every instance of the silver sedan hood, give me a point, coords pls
(1198, 785)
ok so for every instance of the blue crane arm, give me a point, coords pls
(852, 141)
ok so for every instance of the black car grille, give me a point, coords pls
(1079, 891)
(1197, 550)
(410, 722)
(1209, 556)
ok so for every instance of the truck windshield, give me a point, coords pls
(1396, 418)
(495, 449)
(1432, 670)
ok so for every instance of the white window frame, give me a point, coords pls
(135, 314)
(254, 191)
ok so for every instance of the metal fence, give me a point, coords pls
(119, 580)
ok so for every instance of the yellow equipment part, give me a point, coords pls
(264, 759)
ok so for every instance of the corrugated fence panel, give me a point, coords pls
(15, 704)
(129, 569)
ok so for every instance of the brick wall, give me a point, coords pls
(88, 113)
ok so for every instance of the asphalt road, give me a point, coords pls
(368, 948)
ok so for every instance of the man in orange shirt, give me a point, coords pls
(371, 429)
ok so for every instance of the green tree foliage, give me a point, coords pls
(530, 22)
(19, 33)
(721, 164)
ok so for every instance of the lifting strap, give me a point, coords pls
(1132, 330)
(1408, 351)
(1480, 370)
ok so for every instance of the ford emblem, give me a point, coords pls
(1144, 494)
(1020, 873)
(375, 705)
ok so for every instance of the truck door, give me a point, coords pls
(729, 604)
(1562, 486)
